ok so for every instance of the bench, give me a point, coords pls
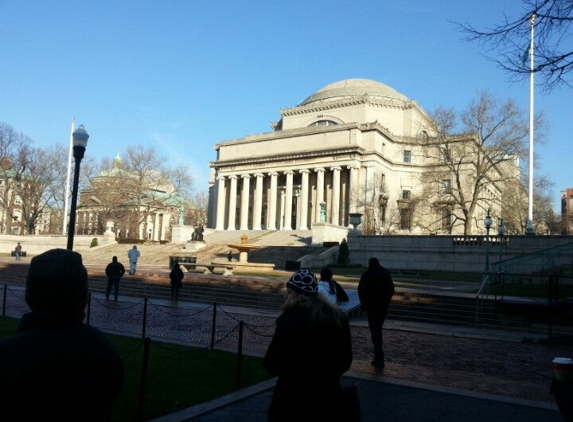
(209, 268)
(22, 254)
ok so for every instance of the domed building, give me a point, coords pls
(354, 146)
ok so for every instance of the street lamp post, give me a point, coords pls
(80, 141)
(487, 222)
(500, 233)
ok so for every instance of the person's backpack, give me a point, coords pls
(341, 295)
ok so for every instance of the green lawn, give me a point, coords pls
(177, 376)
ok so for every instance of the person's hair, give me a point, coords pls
(326, 275)
(373, 263)
(320, 308)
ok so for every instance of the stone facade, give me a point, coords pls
(355, 146)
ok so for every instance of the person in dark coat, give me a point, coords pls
(176, 280)
(114, 271)
(310, 350)
(56, 367)
(375, 290)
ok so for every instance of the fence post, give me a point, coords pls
(143, 328)
(553, 288)
(143, 380)
(213, 326)
(240, 355)
(4, 300)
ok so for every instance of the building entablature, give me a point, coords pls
(304, 159)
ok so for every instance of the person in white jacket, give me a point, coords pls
(133, 256)
(326, 286)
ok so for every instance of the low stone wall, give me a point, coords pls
(324, 232)
(445, 253)
(34, 245)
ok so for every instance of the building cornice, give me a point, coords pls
(350, 102)
(278, 158)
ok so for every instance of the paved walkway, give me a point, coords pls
(433, 373)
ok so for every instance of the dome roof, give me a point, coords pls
(353, 88)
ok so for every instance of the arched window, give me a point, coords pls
(323, 123)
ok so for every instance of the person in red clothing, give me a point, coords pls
(56, 367)
(375, 291)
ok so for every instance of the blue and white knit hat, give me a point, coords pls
(303, 281)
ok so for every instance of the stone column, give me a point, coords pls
(220, 203)
(353, 189)
(245, 202)
(288, 200)
(319, 192)
(272, 202)
(335, 214)
(232, 203)
(155, 233)
(304, 201)
(258, 204)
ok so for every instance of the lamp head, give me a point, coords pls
(501, 228)
(487, 221)
(80, 137)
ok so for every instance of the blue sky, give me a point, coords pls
(183, 75)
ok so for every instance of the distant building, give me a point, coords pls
(567, 211)
(128, 206)
(355, 146)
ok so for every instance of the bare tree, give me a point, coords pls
(196, 210)
(130, 189)
(30, 187)
(11, 143)
(476, 167)
(553, 46)
(104, 192)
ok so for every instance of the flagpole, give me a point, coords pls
(529, 229)
(67, 192)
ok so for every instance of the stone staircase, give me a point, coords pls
(276, 247)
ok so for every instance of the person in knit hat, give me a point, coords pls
(310, 350)
(55, 366)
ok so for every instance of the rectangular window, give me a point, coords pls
(383, 213)
(446, 155)
(405, 195)
(446, 219)
(447, 186)
(407, 156)
(405, 219)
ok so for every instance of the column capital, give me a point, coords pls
(355, 166)
(246, 176)
(334, 168)
(220, 177)
(291, 172)
(307, 171)
(319, 170)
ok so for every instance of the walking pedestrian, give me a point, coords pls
(18, 251)
(56, 367)
(375, 290)
(114, 271)
(133, 255)
(176, 280)
(310, 350)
